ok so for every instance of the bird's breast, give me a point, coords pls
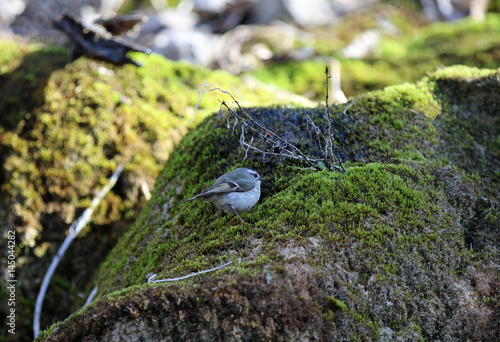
(240, 201)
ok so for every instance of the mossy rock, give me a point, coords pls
(64, 128)
(404, 245)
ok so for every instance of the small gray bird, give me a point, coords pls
(234, 192)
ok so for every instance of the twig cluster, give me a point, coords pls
(277, 146)
(273, 140)
(328, 149)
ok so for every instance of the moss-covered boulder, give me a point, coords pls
(403, 246)
(64, 128)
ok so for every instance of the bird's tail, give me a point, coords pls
(189, 199)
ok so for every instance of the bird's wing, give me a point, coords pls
(227, 187)
(224, 187)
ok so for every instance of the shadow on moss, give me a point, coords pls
(23, 89)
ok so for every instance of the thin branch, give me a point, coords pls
(249, 118)
(91, 296)
(150, 279)
(320, 137)
(201, 89)
(349, 106)
(327, 110)
(286, 149)
(329, 141)
(340, 161)
(243, 143)
(73, 231)
(328, 121)
(279, 154)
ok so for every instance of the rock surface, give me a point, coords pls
(403, 246)
(64, 128)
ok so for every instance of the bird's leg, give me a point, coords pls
(242, 222)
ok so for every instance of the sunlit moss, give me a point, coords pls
(390, 227)
(78, 122)
(403, 57)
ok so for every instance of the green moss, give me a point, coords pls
(301, 78)
(406, 96)
(404, 57)
(12, 54)
(78, 122)
(338, 303)
(383, 245)
(64, 129)
(338, 206)
(340, 209)
(461, 72)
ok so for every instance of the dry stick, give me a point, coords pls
(73, 231)
(248, 145)
(253, 121)
(329, 128)
(327, 111)
(260, 126)
(328, 124)
(150, 279)
(291, 155)
(286, 143)
(319, 135)
(242, 141)
(349, 106)
(276, 154)
(91, 296)
(340, 162)
(267, 131)
(344, 113)
(201, 88)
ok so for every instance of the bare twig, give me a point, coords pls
(340, 161)
(150, 279)
(73, 231)
(286, 149)
(329, 139)
(320, 138)
(248, 146)
(349, 106)
(201, 92)
(328, 151)
(91, 296)
(243, 143)
(327, 109)
(286, 144)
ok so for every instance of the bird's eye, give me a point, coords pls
(255, 175)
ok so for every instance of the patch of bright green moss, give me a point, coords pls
(342, 208)
(461, 72)
(301, 78)
(405, 96)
